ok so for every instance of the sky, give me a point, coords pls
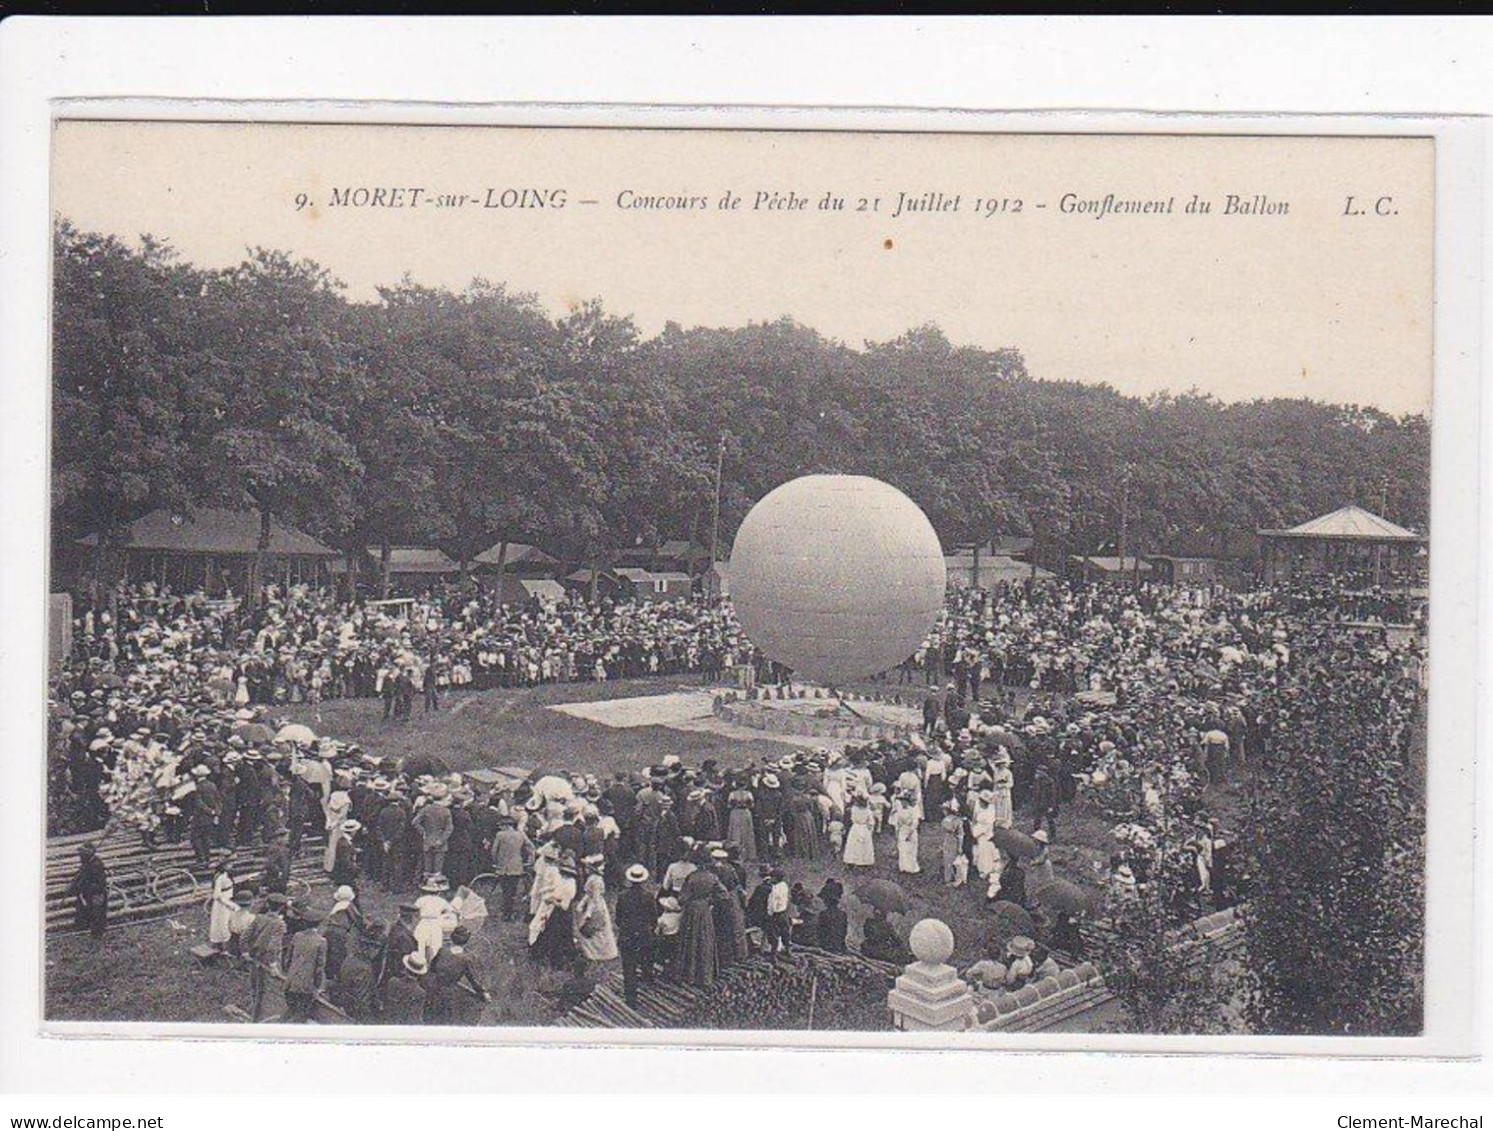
(1078, 250)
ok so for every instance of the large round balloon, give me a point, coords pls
(837, 576)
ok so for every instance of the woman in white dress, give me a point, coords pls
(220, 918)
(338, 805)
(860, 848)
(546, 875)
(593, 922)
(858, 781)
(835, 781)
(911, 785)
(906, 817)
(1000, 788)
(982, 829)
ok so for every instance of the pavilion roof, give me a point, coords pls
(1351, 522)
(214, 530)
(519, 553)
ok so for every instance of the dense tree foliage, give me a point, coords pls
(467, 418)
(1336, 834)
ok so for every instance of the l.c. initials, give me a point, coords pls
(1384, 206)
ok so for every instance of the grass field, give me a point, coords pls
(145, 973)
(512, 727)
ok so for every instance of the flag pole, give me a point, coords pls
(715, 512)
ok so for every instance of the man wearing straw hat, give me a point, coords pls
(635, 921)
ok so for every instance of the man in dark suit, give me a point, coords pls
(397, 943)
(303, 802)
(227, 828)
(484, 828)
(623, 801)
(1045, 798)
(250, 801)
(277, 864)
(390, 691)
(637, 915)
(931, 710)
(264, 943)
(89, 890)
(205, 806)
(391, 828)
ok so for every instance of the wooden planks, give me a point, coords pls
(131, 867)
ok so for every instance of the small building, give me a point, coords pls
(411, 567)
(210, 549)
(521, 560)
(1010, 545)
(1351, 544)
(674, 555)
(648, 585)
(585, 580)
(1180, 570)
(1109, 568)
(521, 590)
(964, 570)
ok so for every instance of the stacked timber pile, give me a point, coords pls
(665, 1004)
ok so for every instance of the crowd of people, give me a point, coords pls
(304, 645)
(1129, 702)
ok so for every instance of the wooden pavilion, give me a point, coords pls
(1350, 543)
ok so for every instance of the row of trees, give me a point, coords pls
(462, 419)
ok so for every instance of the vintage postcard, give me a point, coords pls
(794, 584)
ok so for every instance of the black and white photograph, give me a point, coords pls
(738, 581)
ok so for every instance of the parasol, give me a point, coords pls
(1064, 895)
(254, 732)
(1007, 920)
(1015, 842)
(298, 733)
(419, 765)
(882, 895)
(554, 788)
(470, 908)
